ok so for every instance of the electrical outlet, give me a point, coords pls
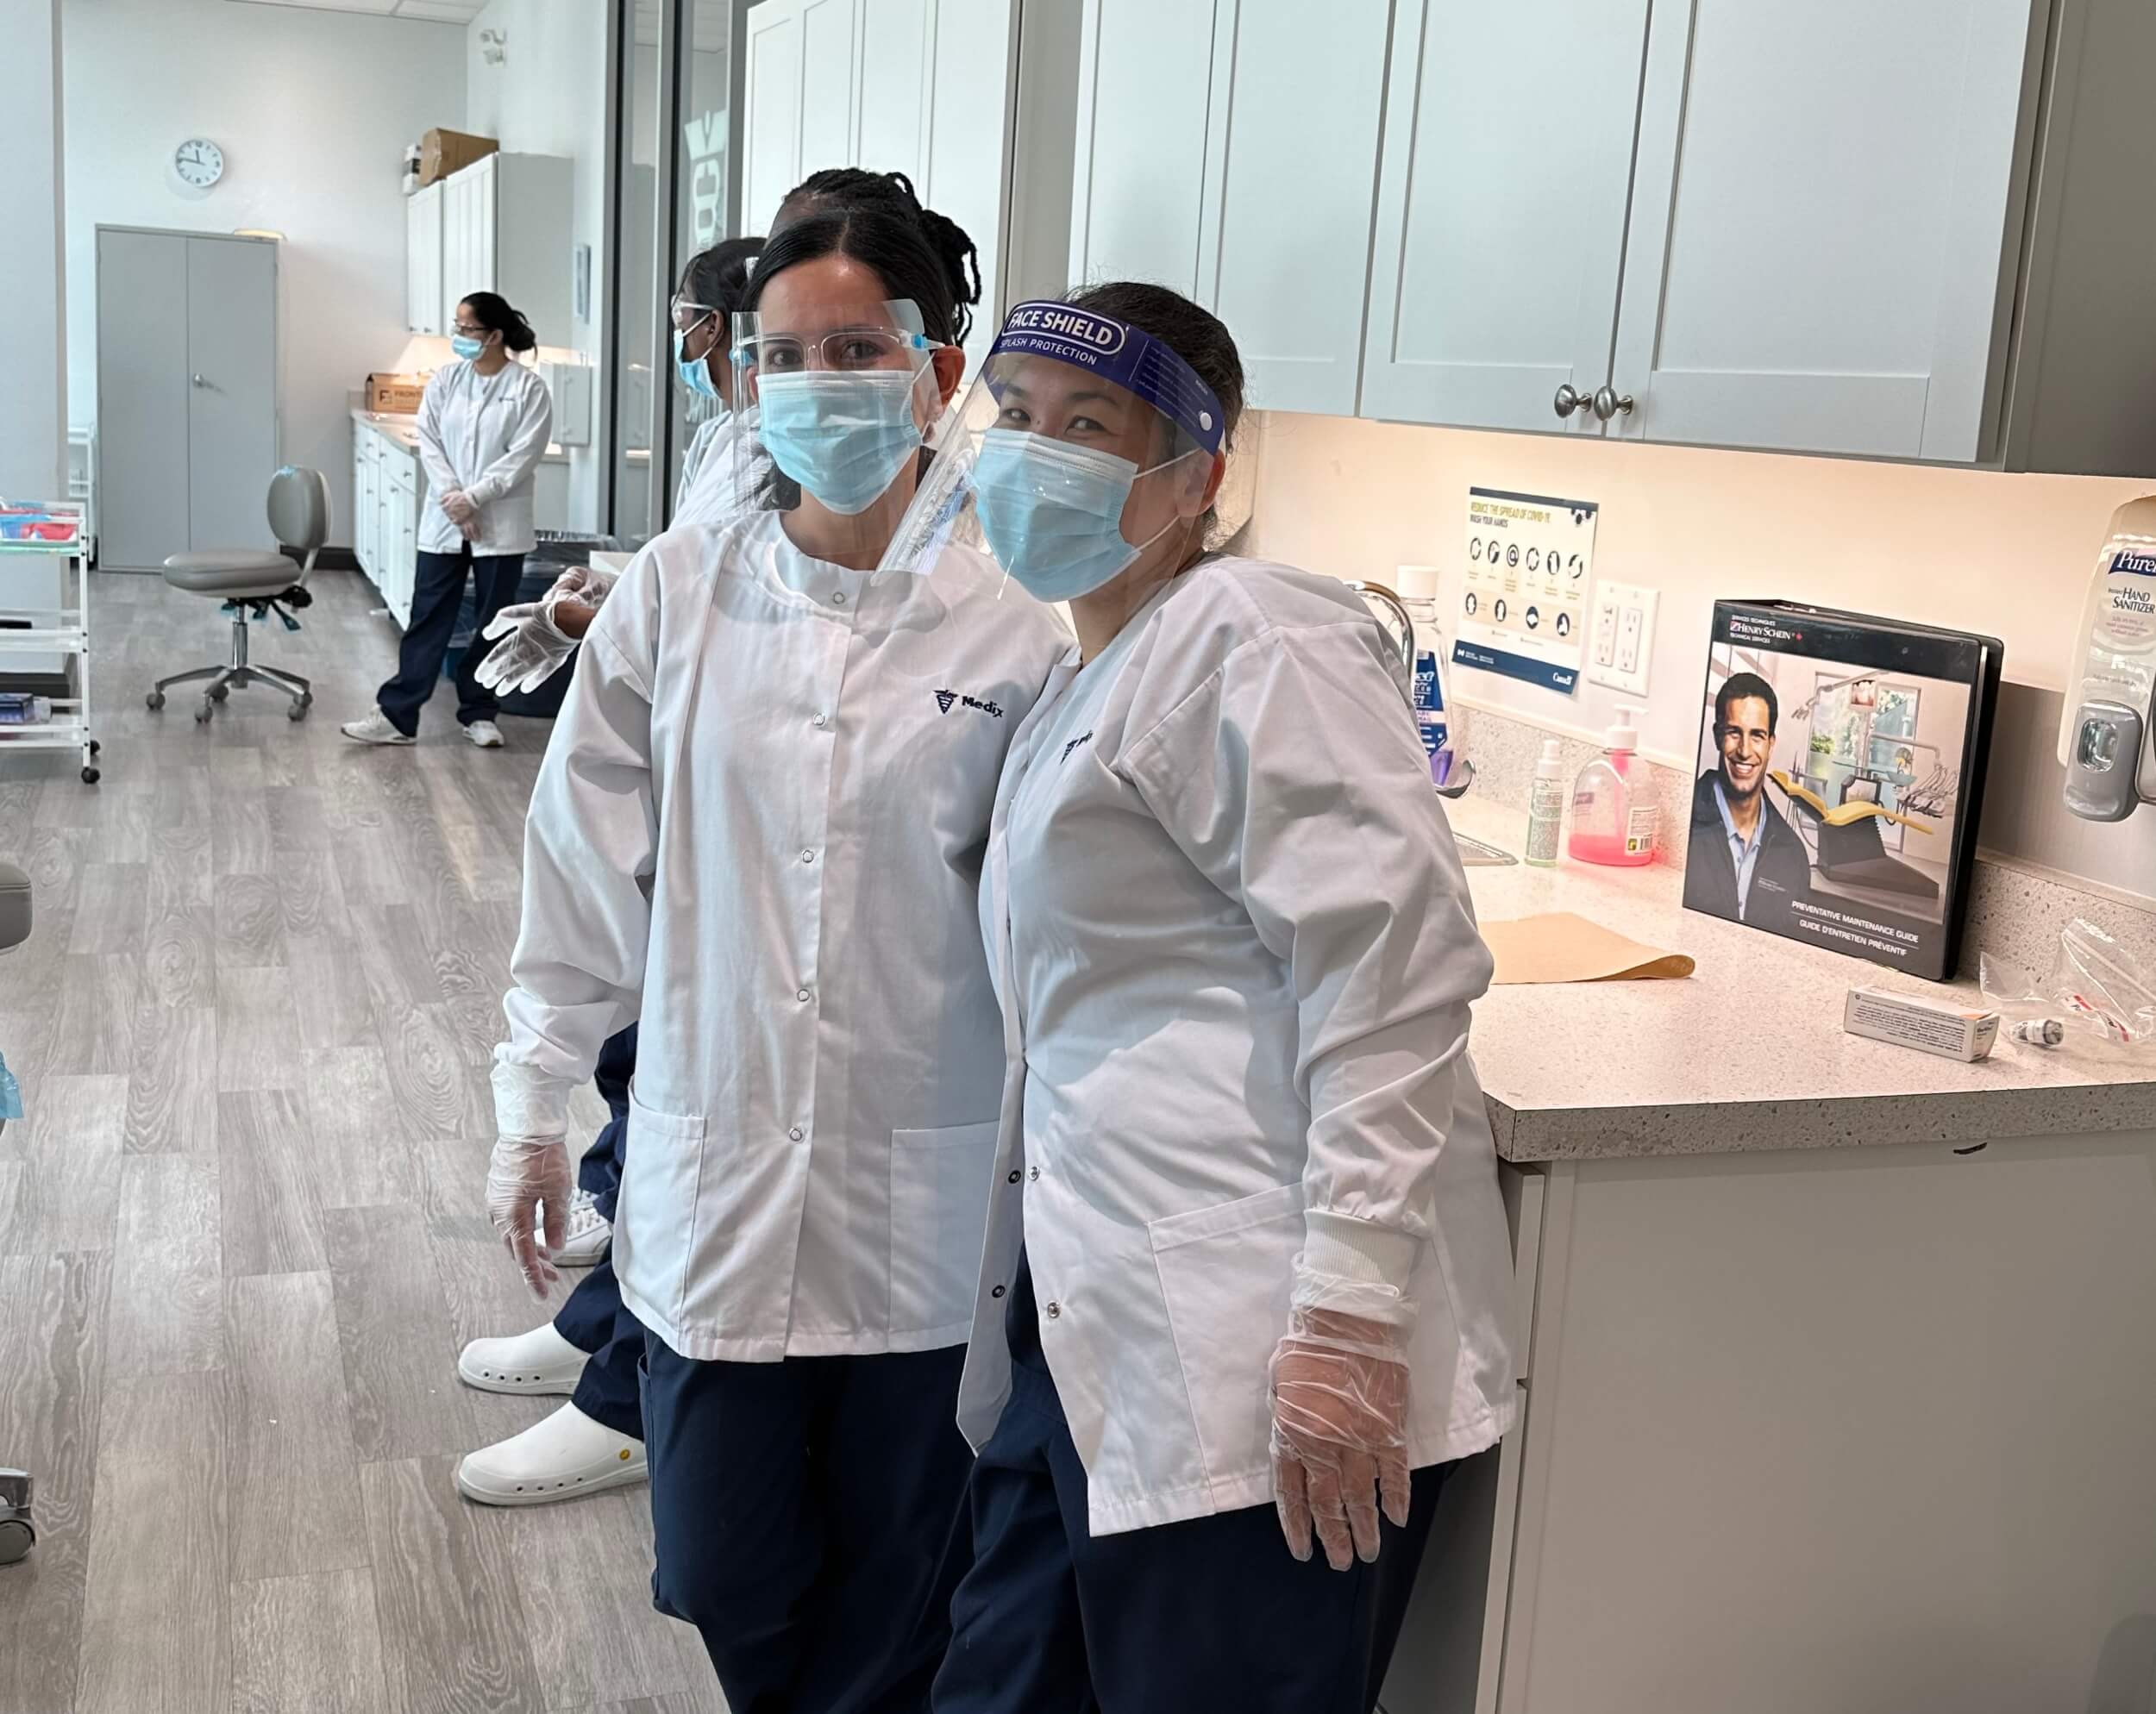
(1624, 636)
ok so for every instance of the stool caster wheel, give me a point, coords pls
(95, 746)
(299, 710)
(154, 700)
(203, 713)
(218, 693)
(90, 776)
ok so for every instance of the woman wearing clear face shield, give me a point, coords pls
(1244, 1295)
(758, 832)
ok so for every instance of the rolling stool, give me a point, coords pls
(258, 578)
(16, 1533)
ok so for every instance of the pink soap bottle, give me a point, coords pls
(1612, 822)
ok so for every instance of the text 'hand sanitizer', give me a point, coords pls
(1611, 823)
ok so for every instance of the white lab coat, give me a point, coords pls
(1234, 951)
(758, 828)
(486, 434)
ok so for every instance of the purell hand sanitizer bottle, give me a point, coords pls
(2104, 734)
(1418, 595)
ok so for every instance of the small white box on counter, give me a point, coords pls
(1914, 1020)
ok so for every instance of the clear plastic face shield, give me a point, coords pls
(1083, 443)
(843, 394)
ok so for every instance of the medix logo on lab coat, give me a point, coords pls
(947, 700)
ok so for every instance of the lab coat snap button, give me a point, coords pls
(795, 1133)
(838, 597)
(823, 720)
(808, 856)
(1055, 1309)
(1033, 1173)
(996, 1291)
(1014, 1175)
(802, 996)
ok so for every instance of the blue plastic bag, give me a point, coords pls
(10, 1092)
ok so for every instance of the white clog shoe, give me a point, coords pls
(541, 1360)
(567, 1455)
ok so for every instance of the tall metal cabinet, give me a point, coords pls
(187, 423)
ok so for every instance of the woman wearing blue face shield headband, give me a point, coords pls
(756, 833)
(1244, 1295)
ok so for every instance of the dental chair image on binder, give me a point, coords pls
(16, 1533)
(1850, 850)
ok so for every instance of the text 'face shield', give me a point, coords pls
(1083, 443)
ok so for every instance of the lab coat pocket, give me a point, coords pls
(654, 1225)
(1226, 1272)
(939, 1213)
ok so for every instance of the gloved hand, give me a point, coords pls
(528, 1179)
(458, 506)
(539, 636)
(1339, 1432)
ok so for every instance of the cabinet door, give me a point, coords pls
(423, 260)
(453, 286)
(1138, 184)
(771, 111)
(831, 88)
(898, 40)
(1826, 223)
(359, 498)
(486, 213)
(1500, 211)
(142, 398)
(1283, 247)
(968, 156)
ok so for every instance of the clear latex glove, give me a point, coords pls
(528, 1181)
(459, 507)
(537, 636)
(1340, 1432)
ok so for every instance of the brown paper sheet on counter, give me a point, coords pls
(1560, 947)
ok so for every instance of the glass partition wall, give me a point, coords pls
(673, 84)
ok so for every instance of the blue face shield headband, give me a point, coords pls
(1051, 509)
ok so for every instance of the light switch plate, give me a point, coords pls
(1620, 642)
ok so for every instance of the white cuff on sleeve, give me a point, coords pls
(528, 1103)
(1356, 1265)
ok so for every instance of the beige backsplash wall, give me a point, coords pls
(2007, 555)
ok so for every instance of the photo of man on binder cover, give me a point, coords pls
(1839, 780)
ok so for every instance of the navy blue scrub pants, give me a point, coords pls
(594, 1319)
(802, 1515)
(437, 591)
(1211, 1612)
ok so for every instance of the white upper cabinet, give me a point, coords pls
(1291, 171)
(1501, 213)
(771, 111)
(898, 44)
(423, 261)
(1824, 223)
(1137, 189)
(831, 72)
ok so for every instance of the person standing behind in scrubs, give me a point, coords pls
(483, 423)
(1245, 1294)
(758, 832)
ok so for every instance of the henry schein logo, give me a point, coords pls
(947, 700)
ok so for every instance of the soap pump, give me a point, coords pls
(1611, 824)
(2105, 730)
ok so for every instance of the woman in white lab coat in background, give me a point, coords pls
(483, 423)
(1247, 1272)
(758, 832)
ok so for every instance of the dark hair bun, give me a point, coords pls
(493, 312)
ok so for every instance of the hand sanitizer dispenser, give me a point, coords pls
(2105, 734)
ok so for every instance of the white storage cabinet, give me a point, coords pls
(503, 224)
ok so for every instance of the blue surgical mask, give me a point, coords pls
(1053, 512)
(844, 436)
(466, 348)
(695, 373)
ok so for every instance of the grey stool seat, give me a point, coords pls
(298, 518)
(15, 906)
(245, 571)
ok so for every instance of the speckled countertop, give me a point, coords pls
(1747, 1053)
(404, 430)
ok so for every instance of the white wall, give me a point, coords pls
(32, 308)
(2005, 555)
(548, 97)
(314, 111)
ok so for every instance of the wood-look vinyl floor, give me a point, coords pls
(242, 1232)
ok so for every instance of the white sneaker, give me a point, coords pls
(374, 730)
(589, 1234)
(564, 1456)
(485, 733)
(541, 1360)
